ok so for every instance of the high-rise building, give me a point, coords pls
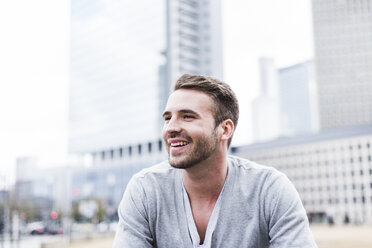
(343, 61)
(194, 38)
(124, 57)
(265, 108)
(287, 103)
(297, 97)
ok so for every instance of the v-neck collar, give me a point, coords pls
(212, 222)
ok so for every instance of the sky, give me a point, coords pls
(34, 68)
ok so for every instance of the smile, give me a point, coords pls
(180, 143)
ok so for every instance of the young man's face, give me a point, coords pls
(189, 130)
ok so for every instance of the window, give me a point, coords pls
(139, 149)
(149, 147)
(191, 49)
(189, 25)
(189, 3)
(190, 14)
(189, 36)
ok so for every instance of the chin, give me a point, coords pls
(180, 163)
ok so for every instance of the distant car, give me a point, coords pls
(53, 230)
(35, 228)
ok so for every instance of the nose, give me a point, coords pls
(172, 126)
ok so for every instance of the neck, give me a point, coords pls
(204, 181)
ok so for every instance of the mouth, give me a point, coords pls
(177, 146)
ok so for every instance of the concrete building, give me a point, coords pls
(124, 57)
(331, 170)
(107, 182)
(343, 61)
(298, 99)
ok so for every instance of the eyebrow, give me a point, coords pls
(182, 111)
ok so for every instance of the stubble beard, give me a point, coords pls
(202, 149)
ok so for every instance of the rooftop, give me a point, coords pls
(324, 135)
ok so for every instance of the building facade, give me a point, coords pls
(265, 108)
(194, 38)
(124, 57)
(116, 51)
(58, 188)
(287, 102)
(298, 99)
(332, 171)
(108, 181)
(343, 61)
(45, 188)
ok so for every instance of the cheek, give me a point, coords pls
(163, 132)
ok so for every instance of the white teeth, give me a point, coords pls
(181, 143)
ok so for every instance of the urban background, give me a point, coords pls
(83, 85)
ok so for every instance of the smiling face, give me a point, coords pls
(189, 131)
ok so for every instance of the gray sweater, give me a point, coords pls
(259, 206)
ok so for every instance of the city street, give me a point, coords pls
(35, 242)
(325, 236)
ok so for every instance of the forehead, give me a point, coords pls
(189, 99)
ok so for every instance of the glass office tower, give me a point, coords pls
(124, 57)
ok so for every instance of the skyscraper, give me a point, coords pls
(265, 108)
(297, 96)
(194, 38)
(343, 61)
(124, 57)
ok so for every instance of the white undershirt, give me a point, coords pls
(191, 223)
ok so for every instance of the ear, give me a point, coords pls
(227, 129)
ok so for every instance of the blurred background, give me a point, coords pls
(83, 85)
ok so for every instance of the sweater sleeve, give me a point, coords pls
(287, 221)
(133, 230)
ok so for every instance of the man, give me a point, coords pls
(201, 197)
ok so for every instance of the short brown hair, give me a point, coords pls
(226, 103)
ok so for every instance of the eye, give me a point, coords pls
(166, 118)
(188, 117)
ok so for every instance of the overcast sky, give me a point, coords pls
(34, 63)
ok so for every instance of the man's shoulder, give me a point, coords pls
(253, 170)
(246, 164)
(158, 178)
(160, 170)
